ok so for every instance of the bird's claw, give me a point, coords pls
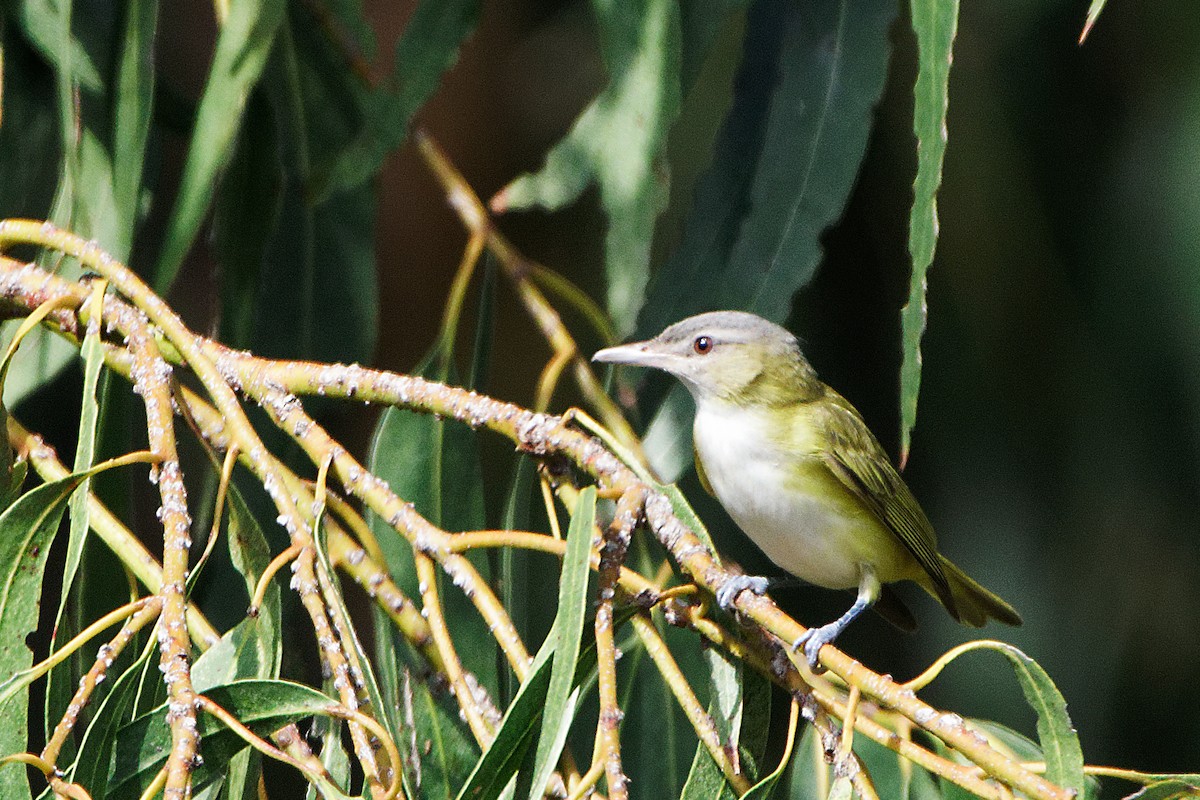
(813, 640)
(735, 585)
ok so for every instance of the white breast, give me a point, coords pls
(810, 538)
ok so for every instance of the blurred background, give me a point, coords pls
(1056, 448)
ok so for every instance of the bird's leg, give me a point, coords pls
(814, 639)
(734, 585)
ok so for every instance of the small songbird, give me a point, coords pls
(799, 471)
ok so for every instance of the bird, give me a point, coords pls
(796, 467)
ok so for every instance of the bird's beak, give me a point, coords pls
(640, 354)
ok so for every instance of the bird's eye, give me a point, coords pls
(703, 345)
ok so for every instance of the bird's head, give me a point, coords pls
(730, 356)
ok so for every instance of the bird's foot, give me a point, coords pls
(814, 639)
(735, 585)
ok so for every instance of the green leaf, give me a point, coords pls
(132, 106)
(264, 706)
(434, 464)
(935, 23)
(1172, 789)
(559, 708)
(299, 275)
(428, 47)
(61, 681)
(741, 708)
(1060, 743)
(618, 143)
(784, 163)
(1093, 14)
(43, 24)
(100, 739)
(243, 45)
(27, 529)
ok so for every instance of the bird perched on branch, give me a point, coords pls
(799, 471)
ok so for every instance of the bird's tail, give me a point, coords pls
(975, 604)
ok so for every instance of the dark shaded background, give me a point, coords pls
(1056, 447)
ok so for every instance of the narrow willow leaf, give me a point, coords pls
(41, 20)
(1060, 743)
(133, 102)
(243, 45)
(264, 706)
(559, 708)
(300, 277)
(617, 143)
(500, 762)
(935, 23)
(504, 757)
(784, 163)
(745, 696)
(1172, 789)
(61, 681)
(100, 739)
(434, 464)
(27, 529)
(1093, 14)
(428, 47)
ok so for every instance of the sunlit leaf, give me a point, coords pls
(617, 143)
(27, 529)
(264, 706)
(559, 708)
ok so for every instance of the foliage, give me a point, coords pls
(471, 674)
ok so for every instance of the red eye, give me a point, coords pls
(703, 345)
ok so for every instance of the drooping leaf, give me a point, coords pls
(100, 738)
(27, 529)
(264, 706)
(559, 708)
(1093, 14)
(243, 45)
(434, 464)
(1059, 741)
(1171, 789)
(617, 143)
(132, 103)
(935, 23)
(783, 167)
(741, 708)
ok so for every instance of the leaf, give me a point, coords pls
(935, 23)
(740, 698)
(1060, 743)
(434, 464)
(428, 47)
(559, 708)
(245, 41)
(784, 163)
(1093, 14)
(27, 529)
(132, 105)
(42, 23)
(264, 706)
(617, 143)
(100, 738)
(1172, 789)
(501, 761)
(61, 681)
(298, 275)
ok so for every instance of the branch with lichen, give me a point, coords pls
(145, 340)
